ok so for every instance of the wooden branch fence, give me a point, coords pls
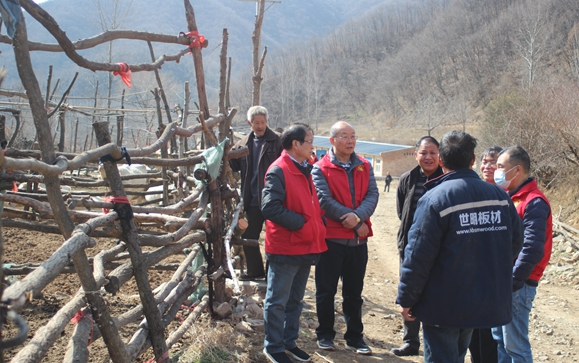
(205, 217)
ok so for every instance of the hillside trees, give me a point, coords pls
(387, 63)
(544, 121)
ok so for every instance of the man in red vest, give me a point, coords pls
(348, 193)
(512, 174)
(294, 240)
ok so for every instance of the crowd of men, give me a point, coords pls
(472, 250)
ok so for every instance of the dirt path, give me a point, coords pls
(554, 327)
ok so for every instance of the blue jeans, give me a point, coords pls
(286, 285)
(513, 338)
(445, 345)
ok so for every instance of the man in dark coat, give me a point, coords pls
(457, 270)
(264, 148)
(410, 189)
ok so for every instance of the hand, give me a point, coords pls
(407, 314)
(349, 220)
(363, 230)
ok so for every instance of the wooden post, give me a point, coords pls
(2, 127)
(131, 237)
(75, 136)
(121, 122)
(61, 122)
(164, 153)
(198, 62)
(257, 64)
(101, 312)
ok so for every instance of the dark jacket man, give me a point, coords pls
(264, 148)
(404, 195)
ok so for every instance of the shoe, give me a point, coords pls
(405, 350)
(298, 354)
(359, 347)
(326, 344)
(280, 357)
(244, 277)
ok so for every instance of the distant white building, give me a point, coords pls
(384, 157)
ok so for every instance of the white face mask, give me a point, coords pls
(500, 178)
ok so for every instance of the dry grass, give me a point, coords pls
(213, 342)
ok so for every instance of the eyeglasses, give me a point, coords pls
(309, 141)
(343, 137)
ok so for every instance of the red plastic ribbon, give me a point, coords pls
(197, 40)
(161, 358)
(81, 314)
(125, 73)
(116, 200)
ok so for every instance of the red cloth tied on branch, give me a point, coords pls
(125, 73)
(116, 200)
(81, 314)
(161, 358)
(196, 40)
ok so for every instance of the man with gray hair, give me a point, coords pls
(264, 148)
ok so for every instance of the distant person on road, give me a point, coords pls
(513, 174)
(294, 239)
(264, 147)
(410, 189)
(348, 193)
(483, 348)
(387, 182)
(457, 271)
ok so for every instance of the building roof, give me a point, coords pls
(362, 147)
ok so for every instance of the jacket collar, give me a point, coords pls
(455, 174)
(336, 163)
(531, 183)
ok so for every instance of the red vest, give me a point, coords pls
(300, 197)
(521, 199)
(337, 180)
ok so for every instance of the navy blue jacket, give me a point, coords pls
(457, 270)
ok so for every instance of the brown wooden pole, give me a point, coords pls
(131, 237)
(62, 125)
(197, 61)
(101, 312)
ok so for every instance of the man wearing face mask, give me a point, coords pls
(512, 174)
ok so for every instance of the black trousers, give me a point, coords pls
(483, 348)
(411, 329)
(253, 254)
(347, 263)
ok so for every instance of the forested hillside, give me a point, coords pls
(285, 21)
(422, 63)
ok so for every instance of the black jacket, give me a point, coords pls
(404, 194)
(270, 151)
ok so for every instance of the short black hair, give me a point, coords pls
(429, 138)
(457, 150)
(493, 151)
(518, 156)
(297, 131)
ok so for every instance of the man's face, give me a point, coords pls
(488, 165)
(427, 157)
(344, 142)
(512, 171)
(304, 150)
(258, 124)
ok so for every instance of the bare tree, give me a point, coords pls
(531, 39)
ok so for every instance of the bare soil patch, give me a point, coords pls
(554, 321)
